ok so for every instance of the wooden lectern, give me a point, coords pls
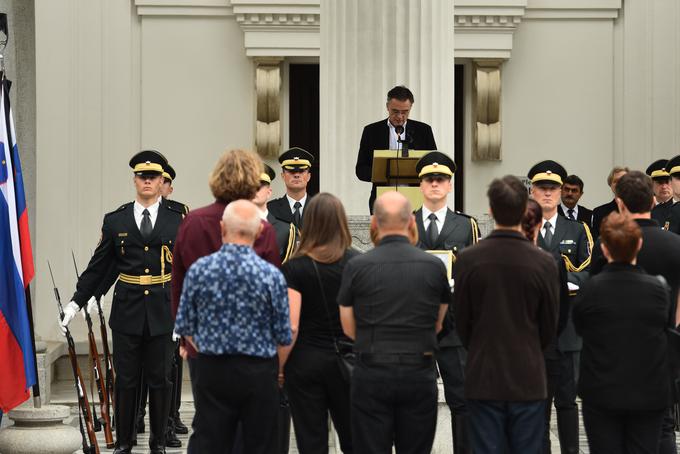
(392, 172)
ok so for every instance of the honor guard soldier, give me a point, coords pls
(572, 242)
(138, 238)
(289, 209)
(286, 233)
(672, 222)
(663, 194)
(440, 228)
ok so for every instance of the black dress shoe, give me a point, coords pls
(171, 440)
(122, 451)
(157, 451)
(180, 428)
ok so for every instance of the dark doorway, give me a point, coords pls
(458, 141)
(303, 112)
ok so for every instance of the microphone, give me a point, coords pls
(404, 142)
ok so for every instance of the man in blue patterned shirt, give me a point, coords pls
(234, 311)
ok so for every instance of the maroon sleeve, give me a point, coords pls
(179, 268)
(265, 245)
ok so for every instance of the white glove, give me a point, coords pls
(175, 336)
(91, 307)
(70, 312)
(452, 284)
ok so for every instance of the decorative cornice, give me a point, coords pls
(484, 28)
(270, 20)
(183, 7)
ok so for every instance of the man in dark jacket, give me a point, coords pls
(506, 303)
(659, 255)
(601, 212)
(391, 134)
(663, 192)
(572, 191)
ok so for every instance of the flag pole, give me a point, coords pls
(37, 402)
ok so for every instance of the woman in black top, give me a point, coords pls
(622, 315)
(312, 377)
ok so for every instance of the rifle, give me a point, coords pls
(110, 376)
(101, 386)
(83, 403)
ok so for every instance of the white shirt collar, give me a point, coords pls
(565, 210)
(553, 221)
(138, 209)
(291, 202)
(440, 213)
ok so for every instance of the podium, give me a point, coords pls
(392, 172)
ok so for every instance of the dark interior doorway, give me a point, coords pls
(458, 141)
(303, 112)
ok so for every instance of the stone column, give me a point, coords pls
(367, 47)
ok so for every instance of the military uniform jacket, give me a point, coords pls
(281, 217)
(458, 232)
(572, 243)
(123, 249)
(661, 213)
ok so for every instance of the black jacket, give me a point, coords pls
(601, 212)
(458, 232)
(122, 248)
(659, 255)
(622, 315)
(376, 136)
(661, 213)
(570, 240)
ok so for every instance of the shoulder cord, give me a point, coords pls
(577, 269)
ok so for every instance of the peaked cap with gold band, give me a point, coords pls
(268, 175)
(296, 159)
(435, 163)
(547, 172)
(148, 162)
(673, 165)
(168, 172)
(657, 169)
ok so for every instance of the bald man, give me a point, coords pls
(227, 294)
(392, 303)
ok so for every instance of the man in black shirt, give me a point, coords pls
(659, 255)
(392, 302)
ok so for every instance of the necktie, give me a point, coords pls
(296, 214)
(145, 228)
(432, 231)
(570, 212)
(547, 237)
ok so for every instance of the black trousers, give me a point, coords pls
(133, 353)
(611, 432)
(451, 362)
(315, 387)
(393, 403)
(667, 441)
(228, 389)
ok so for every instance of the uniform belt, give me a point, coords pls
(144, 280)
(396, 358)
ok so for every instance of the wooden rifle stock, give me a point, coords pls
(96, 368)
(82, 397)
(110, 375)
(78, 378)
(101, 386)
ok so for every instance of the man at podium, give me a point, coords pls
(391, 134)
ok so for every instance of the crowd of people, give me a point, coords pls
(272, 304)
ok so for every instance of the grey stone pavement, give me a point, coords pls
(63, 394)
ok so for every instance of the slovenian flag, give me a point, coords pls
(17, 370)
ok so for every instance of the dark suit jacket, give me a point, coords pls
(570, 240)
(622, 315)
(662, 211)
(659, 255)
(506, 301)
(376, 136)
(584, 214)
(458, 232)
(601, 212)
